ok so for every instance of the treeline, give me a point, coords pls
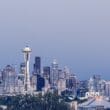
(31, 102)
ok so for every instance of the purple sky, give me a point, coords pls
(76, 32)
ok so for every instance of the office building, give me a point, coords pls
(22, 68)
(9, 79)
(107, 89)
(46, 73)
(72, 83)
(54, 73)
(66, 72)
(34, 82)
(40, 83)
(61, 86)
(37, 65)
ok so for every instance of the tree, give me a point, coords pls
(30, 102)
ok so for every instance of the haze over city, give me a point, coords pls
(76, 33)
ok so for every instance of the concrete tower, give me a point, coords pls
(27, 52)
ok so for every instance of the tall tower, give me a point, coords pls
(27, 52)
(46, 73)
(54, 73)
(37, 65)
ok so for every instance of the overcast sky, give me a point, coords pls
(75, 32)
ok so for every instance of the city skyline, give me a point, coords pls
(74, 33)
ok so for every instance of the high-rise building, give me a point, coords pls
(94, 83)
(60, 74)
(37, 65)
(97, 79)
(91, 85)
(40, 83)
(72, 83)
(9, 77)
(54, 73)
(83, 88)
(61, 85)
(46, 87)
(107, 89)
(46, 73)
(1, 77)
(66, 72)
(22, 68)
(21, 78)
(34, 82)
(20, 88)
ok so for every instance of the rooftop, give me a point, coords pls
(98, 101)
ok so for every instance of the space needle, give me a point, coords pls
(27, 50)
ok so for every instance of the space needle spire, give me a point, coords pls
(27, 50)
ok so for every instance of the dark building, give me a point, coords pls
(81, 92)
(83, 88)
(72, 82)
(46, 72)
(22, 68)
(37, 65)
(40, 83)
(83, 84)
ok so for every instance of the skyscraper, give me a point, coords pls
(37, 65)
(40, 83)
(46, 72)
(107, 88)
(54, 73)
(21, 78)
(94, 83)
(61, 85)
(22, 68)
(72, 83)
(66, 72)
(9, 76)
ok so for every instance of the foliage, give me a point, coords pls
(31, 102)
